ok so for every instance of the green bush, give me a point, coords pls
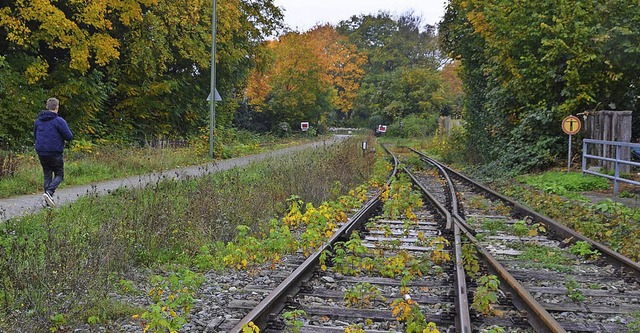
(523, 148)
(414, 126)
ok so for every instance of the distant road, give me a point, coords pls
(28, 204)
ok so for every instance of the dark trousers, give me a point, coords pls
(53, 168)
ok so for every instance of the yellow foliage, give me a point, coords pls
(36, 71)
(439, 254)
(105, 48)
(479, 22)
(17, 30)
(294, 216)
(402, 308)
(250, 328)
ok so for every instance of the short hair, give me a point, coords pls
(52, 103)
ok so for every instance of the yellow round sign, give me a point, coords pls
(571, 125)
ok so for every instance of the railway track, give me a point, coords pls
(396, 266)
(577, 284)
(431, 255)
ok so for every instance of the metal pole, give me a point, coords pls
(569, 157)
(212, 113)
(617, 172)
(584, 157)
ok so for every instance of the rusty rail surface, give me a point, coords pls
(562, 231)
(538, 317)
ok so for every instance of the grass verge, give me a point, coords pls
(58, 267)
(557, 196)
(86, 162)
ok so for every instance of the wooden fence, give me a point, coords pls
(609, 126)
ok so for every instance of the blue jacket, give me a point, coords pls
(50, 131)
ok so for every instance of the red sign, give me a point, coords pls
(304, 126)
(382, 128)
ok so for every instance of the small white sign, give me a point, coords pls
(304, 126)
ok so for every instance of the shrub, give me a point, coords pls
(414, 126)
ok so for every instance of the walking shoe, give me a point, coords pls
(48, 199)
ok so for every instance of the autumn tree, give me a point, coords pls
(452, 90)
(126, 69)
(526, 65)
(293, 88)
(55, 48)
(342, 65)
(306, 77)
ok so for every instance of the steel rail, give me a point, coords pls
(463, 319)
(539, 318)
(274, 302)
(562, 231)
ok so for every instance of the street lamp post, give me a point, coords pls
(212, 113)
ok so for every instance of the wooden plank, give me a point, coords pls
(376, 315)
(418, 282)
(339, 295)
(606, 136)
(325, 329)
(597, 135)
(401, 247)
(586, 292)
(625, 136)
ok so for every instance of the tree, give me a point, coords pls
(293, 89)
(306, 77)
(401, 72)
(342, 65)
(452, 89)
(526, 65)
(130, 69)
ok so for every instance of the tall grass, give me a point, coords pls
(63, 263)
(86, 162)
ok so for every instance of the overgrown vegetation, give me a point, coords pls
(485, 298)
(573, 291)
(58, 267)
(526, 66)
(607, 222)
(565, 183)
(352, 258)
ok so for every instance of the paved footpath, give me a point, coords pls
(29, 204)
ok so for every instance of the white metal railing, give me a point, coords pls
(617, 161)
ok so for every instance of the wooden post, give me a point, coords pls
(624, 135)
(606, 136)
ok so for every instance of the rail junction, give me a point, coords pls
(459, 258)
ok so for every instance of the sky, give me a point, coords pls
(302, 15)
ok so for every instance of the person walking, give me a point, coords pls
(50, 132)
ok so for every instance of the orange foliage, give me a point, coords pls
(342, 64)
(321, 52)
(451, 78)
